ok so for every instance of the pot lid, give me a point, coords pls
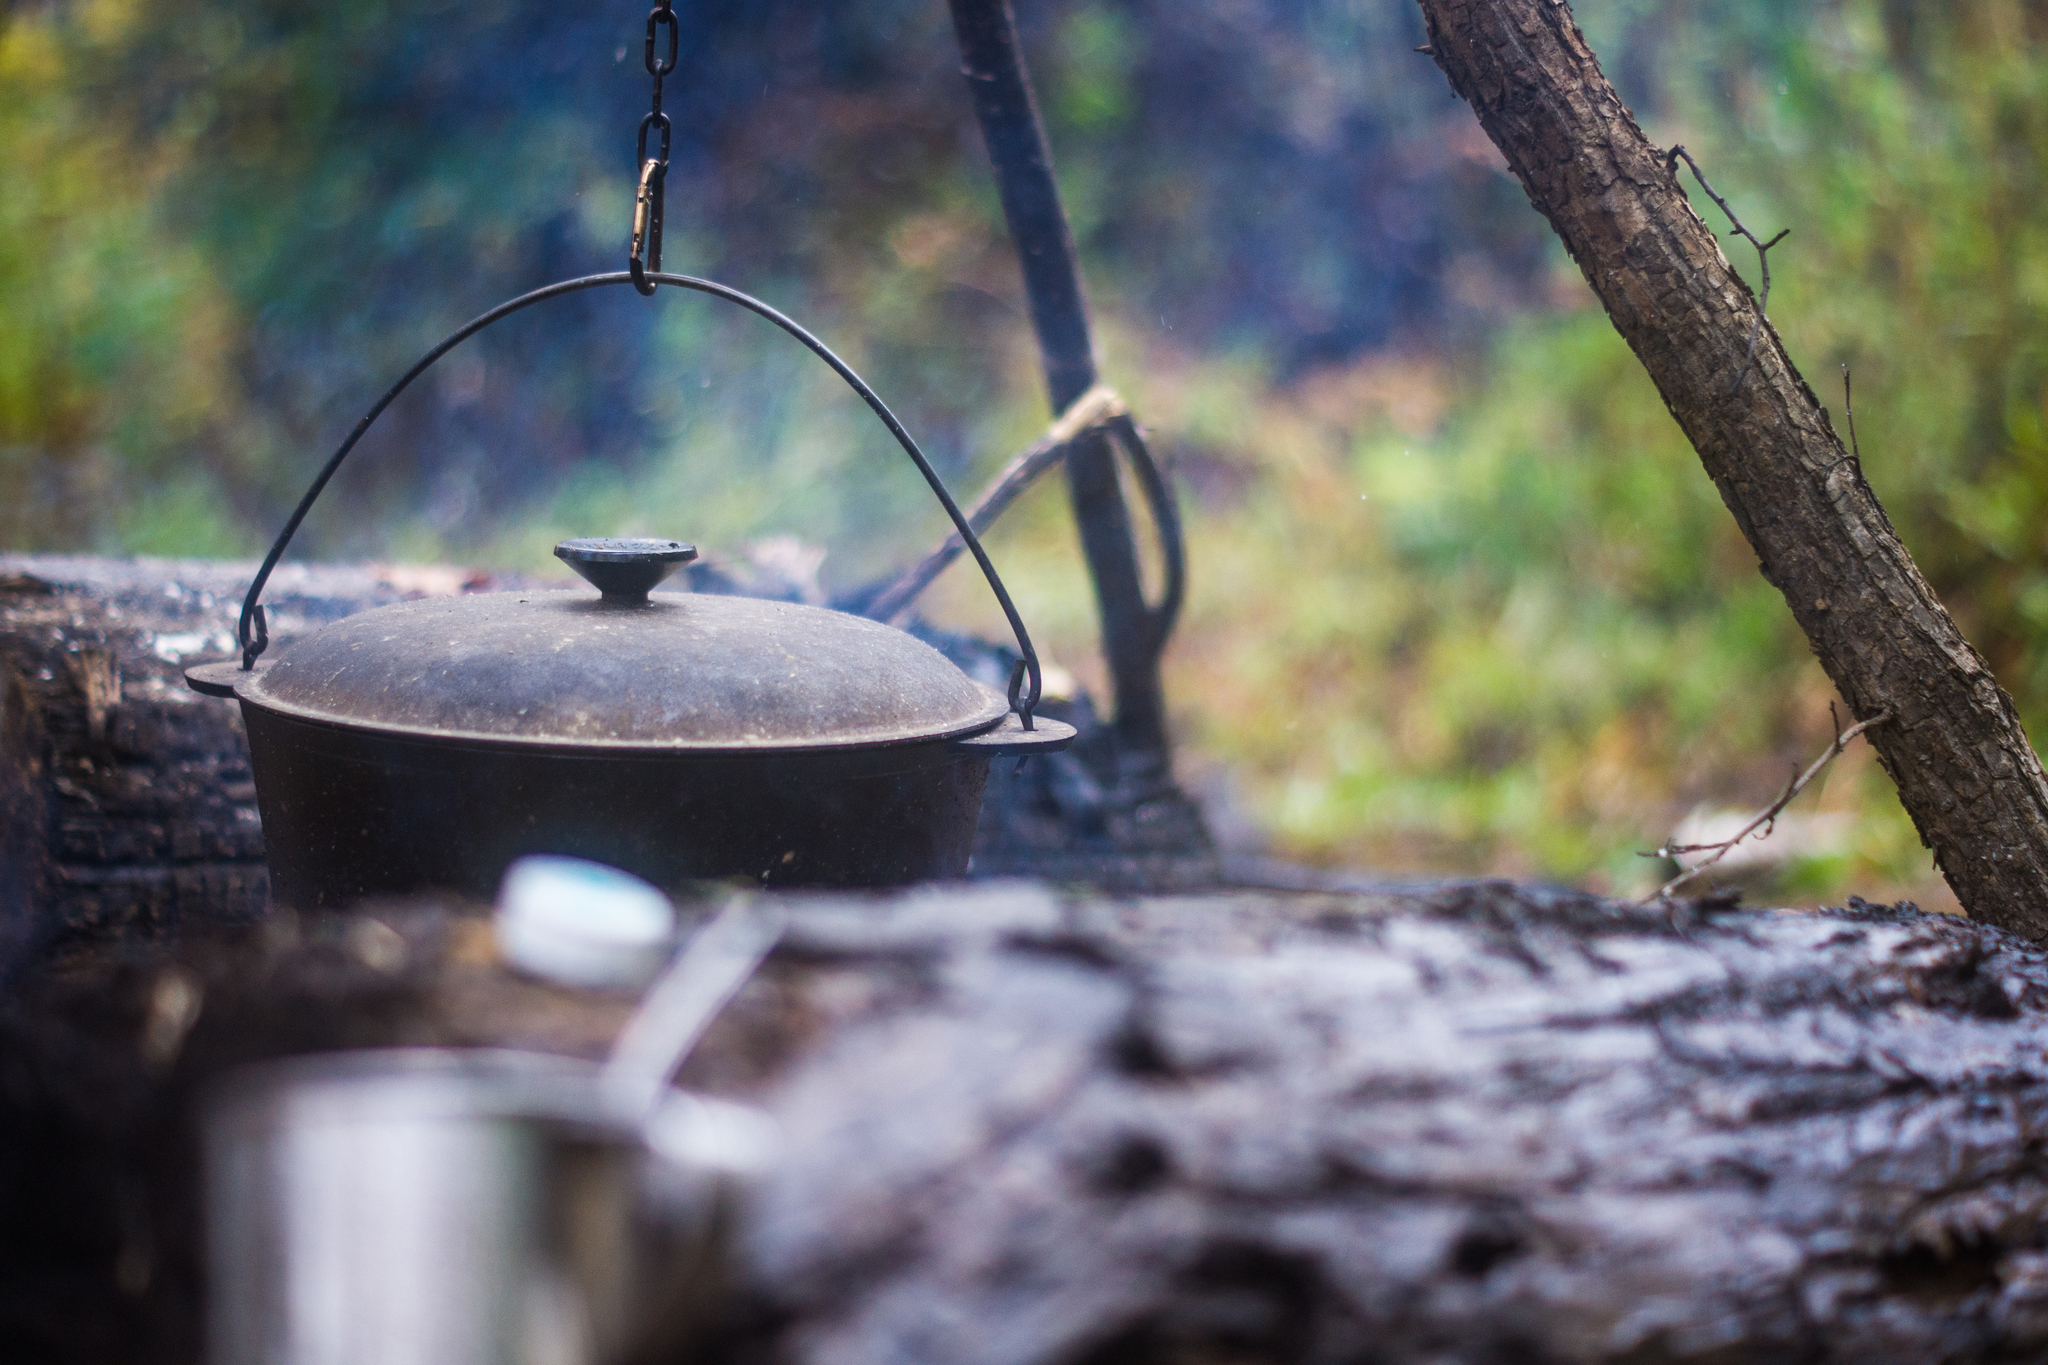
(624, 670)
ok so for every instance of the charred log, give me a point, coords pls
(126, 804)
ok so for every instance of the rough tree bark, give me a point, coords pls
(1964, 768)
(1483, 1126)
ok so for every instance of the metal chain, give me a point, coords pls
(645, 255)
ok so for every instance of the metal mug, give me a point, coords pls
(462, 1207)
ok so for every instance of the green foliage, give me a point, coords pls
(1552, 639)
(1095, 71)
(97, 383)
(1513, 627)
(1907, 148)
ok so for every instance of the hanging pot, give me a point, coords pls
(677, 736)
(674, 735)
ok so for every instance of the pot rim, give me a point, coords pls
(549, 1091)
(437, 1083)
(227, 678)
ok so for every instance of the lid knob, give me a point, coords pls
(624, 568)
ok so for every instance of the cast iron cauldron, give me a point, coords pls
(678, 736)
(428, 744)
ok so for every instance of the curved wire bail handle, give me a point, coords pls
(1026, 679)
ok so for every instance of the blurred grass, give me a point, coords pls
(1462, 597)
(1492, 623)
(1457, 611)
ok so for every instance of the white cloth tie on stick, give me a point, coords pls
(1092, 411)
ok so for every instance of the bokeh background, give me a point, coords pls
(1461, 596)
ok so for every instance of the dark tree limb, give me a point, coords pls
(1964, 768)
(1131, 643)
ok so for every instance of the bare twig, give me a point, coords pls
(1092, 410)
(1763, 253)
(1849, 412)
(1766, 820)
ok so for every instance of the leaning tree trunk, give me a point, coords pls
(1964, 769)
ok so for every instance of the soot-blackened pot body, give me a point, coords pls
(350, 815)
(427, 744)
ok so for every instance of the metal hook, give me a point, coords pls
(1024, 669)
(252, 648)
(646, 209)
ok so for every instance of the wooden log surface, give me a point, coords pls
(1478, 1124)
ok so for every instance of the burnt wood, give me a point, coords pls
(1954, 745)
(127, 808)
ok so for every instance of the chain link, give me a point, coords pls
(645, 255)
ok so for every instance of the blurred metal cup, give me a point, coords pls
(451, 1207)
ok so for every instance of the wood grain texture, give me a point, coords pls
(1963, 766)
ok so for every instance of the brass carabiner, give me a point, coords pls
(643, 209)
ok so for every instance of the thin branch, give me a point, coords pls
(1766, 820)
(1763, 253)
(1849, 412)
(1091, 411)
